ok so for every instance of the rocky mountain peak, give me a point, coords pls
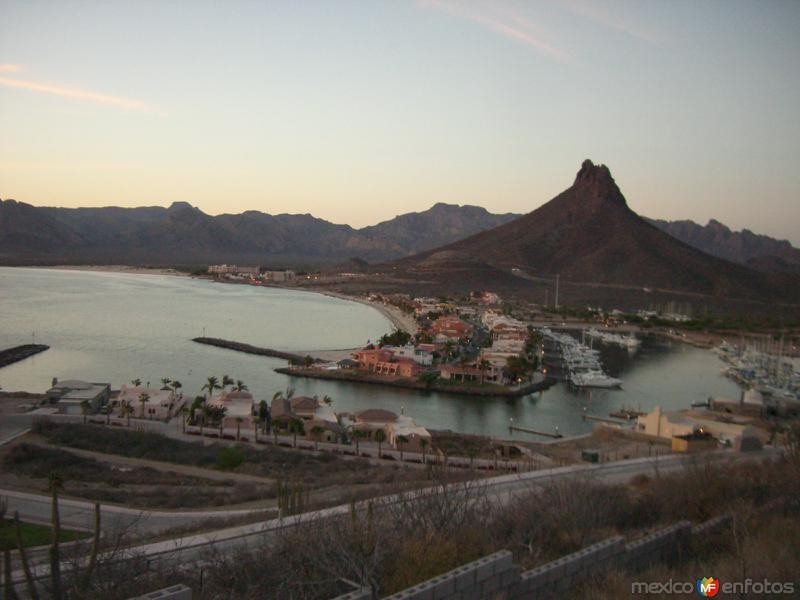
(596, 184)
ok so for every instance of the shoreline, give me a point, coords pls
(398, 318)
(124, 269)
(411, 384)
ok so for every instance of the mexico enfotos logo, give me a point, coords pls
(711, 587)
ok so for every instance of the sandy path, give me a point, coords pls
(118, 460)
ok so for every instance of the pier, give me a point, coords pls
(555, 435)
(248, 349)
(18, 353)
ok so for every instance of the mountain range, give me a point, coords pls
(183, 234)
(759, 252)
(587, 235)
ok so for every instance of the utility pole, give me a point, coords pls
(557, 276)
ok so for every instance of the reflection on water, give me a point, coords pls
(116, 327)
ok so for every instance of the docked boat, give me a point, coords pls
(596, 379)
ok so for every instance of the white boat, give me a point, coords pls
(596, 379)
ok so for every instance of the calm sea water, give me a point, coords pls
(116, 327)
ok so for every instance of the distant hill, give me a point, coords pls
(589, 235)
(183, 234)
(759, 252)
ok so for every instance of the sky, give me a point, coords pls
(356, 111)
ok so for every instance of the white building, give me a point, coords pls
(147, 403)
(418, 355)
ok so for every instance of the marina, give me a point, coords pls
(89, 340)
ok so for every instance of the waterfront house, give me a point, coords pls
(459, 373)
(238, 407)
(158, 404)
(304, 407)
(404, 368)
(368, 357)
(71, 395)
(396, 427)
(420, 355)
(281, 414)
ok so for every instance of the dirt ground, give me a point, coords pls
(611, 445)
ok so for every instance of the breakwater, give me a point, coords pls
(358, 376)
(248, 349)
(18, 353)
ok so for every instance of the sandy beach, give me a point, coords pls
(398, 318)
(116, 269)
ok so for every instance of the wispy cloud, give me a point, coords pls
(599, 13)
(68, 166)
(504, 20)
(75, 93)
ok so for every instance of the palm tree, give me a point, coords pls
(240, 386)
(212, 383)
(263, 415)
(226, 381)
(484, 365)
(327, 400)
(317, 431)
(143, 398)
(127, 409)
(136, 382)
(175, 385)
(296, 427)
(165, 381)
(85, 409)
(401, 440)
(423, 443)
(380, 437)
(183, 413)
(358, 435)
(472, 453)
(239, 421)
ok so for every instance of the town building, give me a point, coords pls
(739, 434)
(234, 270)
(450, 328)
(147, 403)
(279, 276)
(74, 396)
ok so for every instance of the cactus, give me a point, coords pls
(23, 557)
(8, 585)
(55, 555)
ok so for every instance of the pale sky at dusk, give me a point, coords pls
(358, 111)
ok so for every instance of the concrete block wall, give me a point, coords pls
(665, 544)
(557, 577)
(359, 594)
(712, 526)
(491, 577)
(174, 592)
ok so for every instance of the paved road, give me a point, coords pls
(186, 549)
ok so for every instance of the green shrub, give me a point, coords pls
(230, 458)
